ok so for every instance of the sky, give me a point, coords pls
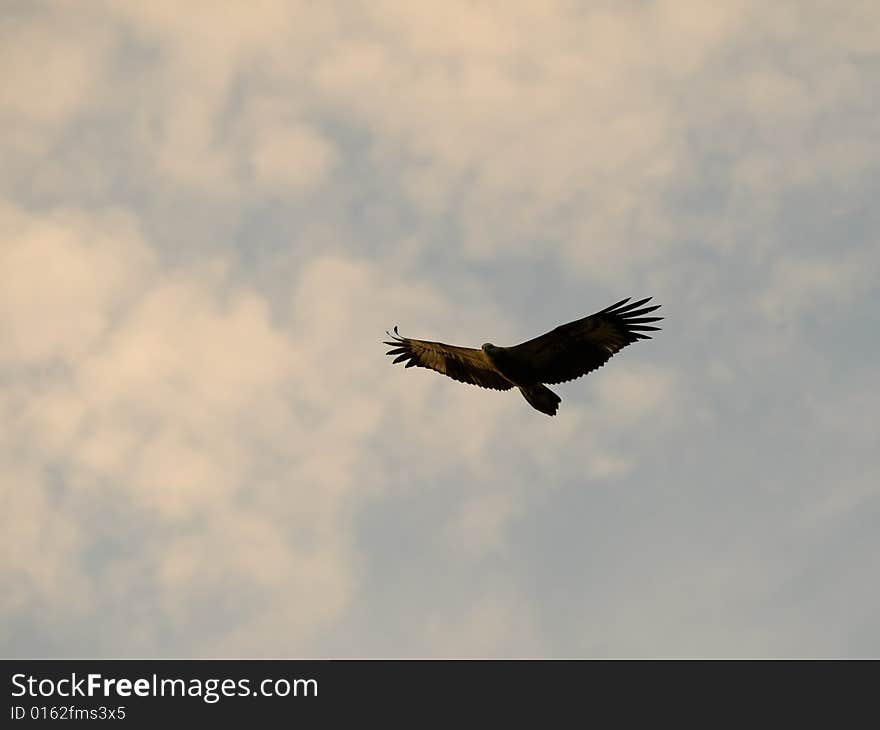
(211, 213)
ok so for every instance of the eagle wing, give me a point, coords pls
(464, 364)
(577, 348)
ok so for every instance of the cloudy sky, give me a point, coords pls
(210, 213)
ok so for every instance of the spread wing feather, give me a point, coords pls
(464, 364)
(577, 348)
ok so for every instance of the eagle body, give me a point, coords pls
(564, 353)
(517, 370)
(520, 373)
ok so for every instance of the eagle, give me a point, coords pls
(562, 354)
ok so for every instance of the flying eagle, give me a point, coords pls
(565, 353)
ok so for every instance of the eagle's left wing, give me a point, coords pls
(577, 348)
(464, 364)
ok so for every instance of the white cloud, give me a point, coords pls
(570, 125)
(65, 277)
(480, 524)
(52, 68)
(170, 392)
(168, 406)
(630, 392)
(41, 548)
(497, 622)
(809, 283)
(294, 155)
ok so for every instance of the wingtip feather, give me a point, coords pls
(615, 305)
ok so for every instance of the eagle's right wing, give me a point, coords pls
(577, 348)
(464, 364)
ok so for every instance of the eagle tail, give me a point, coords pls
(541, 398)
